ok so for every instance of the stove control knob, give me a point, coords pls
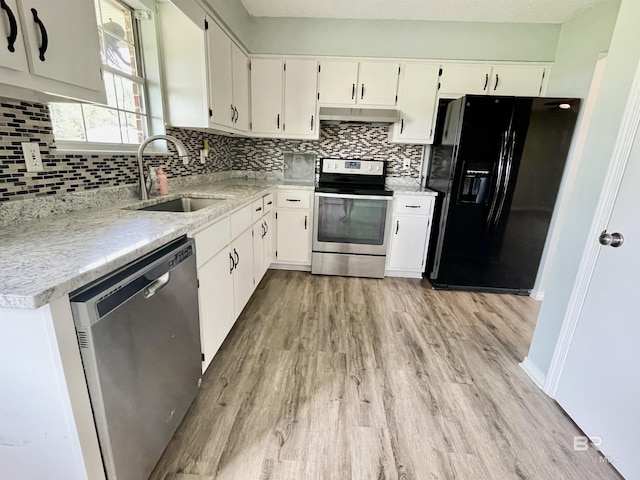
(370, 167)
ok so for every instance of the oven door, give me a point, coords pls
(351, 223)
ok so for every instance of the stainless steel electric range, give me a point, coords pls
(351, 218)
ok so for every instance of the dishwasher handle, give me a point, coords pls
(157, 285)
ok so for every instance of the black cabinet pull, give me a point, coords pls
(312, 122)
(486, 81)
(401, 125)
(258, 209)
(496, 85)
(266, 226)
(269, 202)
(353, 91)
(237, 257)
(362, 93)
(397, 226)
(263, 230)
(233, 113)
(293, 199)
(305, 222)
(13, 27)
(233, 264)
(43, 33)
(278, 121)
(413, 206)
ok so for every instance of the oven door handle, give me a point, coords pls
(357, 197)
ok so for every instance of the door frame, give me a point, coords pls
(621, 153)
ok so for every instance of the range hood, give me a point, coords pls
(359, 115)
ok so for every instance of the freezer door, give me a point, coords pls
(478, 172)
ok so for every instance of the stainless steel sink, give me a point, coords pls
(184, 204)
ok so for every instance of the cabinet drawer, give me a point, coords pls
(257, 210)
(211, 240)
(294, 199)
(268, 202)
(414, 204)
(241, 220)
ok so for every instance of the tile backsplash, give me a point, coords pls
(73, 172)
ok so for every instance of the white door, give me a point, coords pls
(269, 239)
(418, 97)
(12, 50)
(338, 81)
(462, 79)
(300, 97)
(377, 83)
(63, 46)
(240, 88)
(242, 250)
(520, 80)
(215, 278)
(408, 242)
(220, 81)
(600, 382)
(266, 95)
(294, 240)
(258, 251)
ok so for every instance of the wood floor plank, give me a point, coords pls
(332, 378)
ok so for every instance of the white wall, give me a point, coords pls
(624, 54)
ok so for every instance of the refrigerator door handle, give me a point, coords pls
(498, 186)
(507, 178)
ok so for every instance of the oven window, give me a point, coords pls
(349, 220)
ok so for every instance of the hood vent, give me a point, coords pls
(359, 115)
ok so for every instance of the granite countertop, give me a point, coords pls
(46, 258)
(412, 190)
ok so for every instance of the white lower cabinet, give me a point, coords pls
(215, 279)
(269, 244)
(410, 232)
(258, 251)
(242, 252)
(293, 220)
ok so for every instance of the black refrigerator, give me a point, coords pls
(497, 163)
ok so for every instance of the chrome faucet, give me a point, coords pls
(142, 166)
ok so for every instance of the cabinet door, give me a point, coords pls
(258, 251)
(293, 238)
(338, 81)
(300, 97)
(216, 305)
(269, 240)
(462, 79)
(377, 83)
(408, 242)
(62, 41)
(240, 88)
(12, 53)
(517, 80)
(242, 250)
(266, 95)
(418, 102)
(220, 85)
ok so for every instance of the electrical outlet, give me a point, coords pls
(406, 164)
(32, 158)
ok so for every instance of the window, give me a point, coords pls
(124, 119)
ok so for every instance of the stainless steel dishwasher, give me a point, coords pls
(139, 336)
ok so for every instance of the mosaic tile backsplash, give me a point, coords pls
(65, 172)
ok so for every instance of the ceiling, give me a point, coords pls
(511, 11)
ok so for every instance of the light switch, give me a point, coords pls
(31, 153)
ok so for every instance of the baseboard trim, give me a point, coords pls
(537, 295)
(288, 266)
(534, 373)
(402, 274)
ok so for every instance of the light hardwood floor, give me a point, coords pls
(331, 378)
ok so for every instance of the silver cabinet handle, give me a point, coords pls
(157, 285)
(614, 240)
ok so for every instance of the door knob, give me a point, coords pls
(613, 239)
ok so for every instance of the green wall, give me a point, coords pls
(581, 40)
(622, 61)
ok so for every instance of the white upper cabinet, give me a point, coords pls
(521, 80)
(12, 50)
(300, 98)
(52, 53)
(482, 79)
(377, 83)
(220, 75)
(358, 83)
(417, 100)
(240, 64)
(267, 79)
